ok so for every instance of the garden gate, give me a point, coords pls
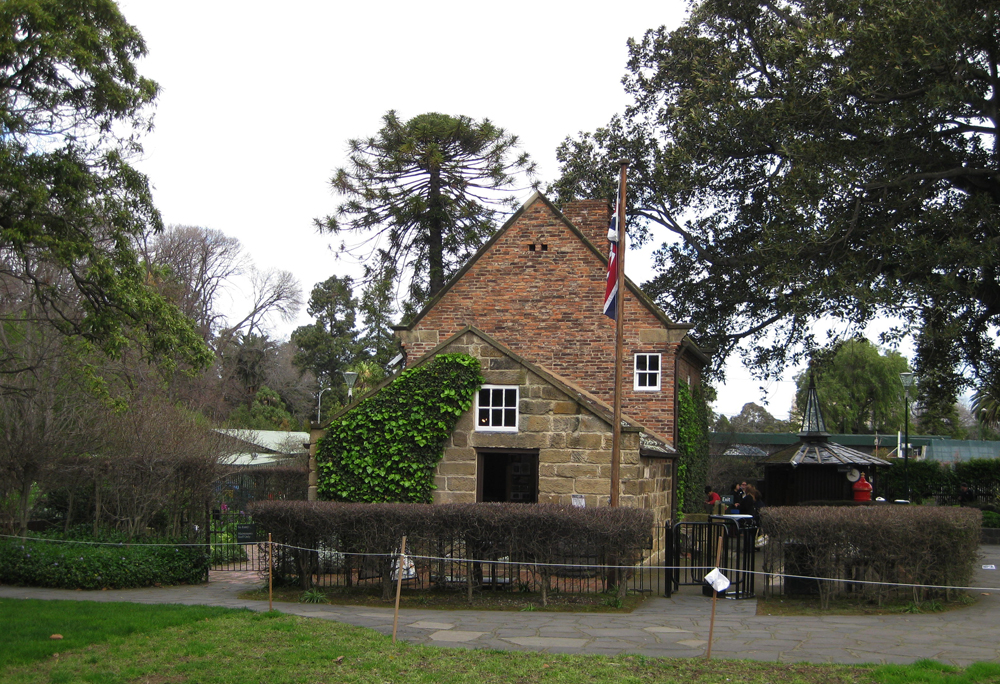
(694, 546)
(233, 539)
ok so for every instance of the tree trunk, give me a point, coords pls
(24, 507)
(97, 506)
(435, 234)
(69, 511)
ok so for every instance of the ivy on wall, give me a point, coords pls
(387, 448)
(692, 448)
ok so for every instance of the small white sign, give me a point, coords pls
(717, 580)
(579, 501)
(989, 567)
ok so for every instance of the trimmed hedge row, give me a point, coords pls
(41, 563)
(930, 479)
(536, 534)
(921, 545)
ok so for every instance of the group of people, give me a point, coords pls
(746, 500)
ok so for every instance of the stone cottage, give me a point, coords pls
(529, 306)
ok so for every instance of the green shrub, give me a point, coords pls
(67, 565)
(991, 519)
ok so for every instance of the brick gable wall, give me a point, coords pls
(539, 289)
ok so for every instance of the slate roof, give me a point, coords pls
(816, 447)
(824, 453)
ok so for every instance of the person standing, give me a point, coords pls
(711, 500)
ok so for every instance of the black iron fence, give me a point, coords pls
(695, 549)
(443, 563)
(677, 555)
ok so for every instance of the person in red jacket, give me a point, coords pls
(711, 498)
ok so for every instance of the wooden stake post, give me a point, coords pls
(399, 587)
(270, 573)
(715, 596)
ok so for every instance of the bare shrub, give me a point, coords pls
(883, 545)
(545, 536)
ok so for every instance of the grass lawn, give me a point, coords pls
(28, 625)
(115, 643)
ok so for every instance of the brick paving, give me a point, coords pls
(675, 627)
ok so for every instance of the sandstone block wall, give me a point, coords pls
(573, 444)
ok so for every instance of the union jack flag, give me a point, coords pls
(611, 291)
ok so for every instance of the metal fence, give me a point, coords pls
(695, 545)
(676, 555)
(232, 538)
(439, 563)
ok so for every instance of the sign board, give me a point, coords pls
(579, 501)
(727, 499)
(246, 533)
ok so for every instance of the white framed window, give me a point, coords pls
(647, 373)
(497, 408)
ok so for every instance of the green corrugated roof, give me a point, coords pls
(776, 438)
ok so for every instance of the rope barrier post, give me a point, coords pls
(270, 573)
(399, 586)
(715, 597)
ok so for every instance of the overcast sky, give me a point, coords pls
(259, 99)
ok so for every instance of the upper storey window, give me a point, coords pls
(647, 373)
(496, 408)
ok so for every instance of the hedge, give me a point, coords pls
(67, 565)
(932, 479)
(923, 545)
(537, 534)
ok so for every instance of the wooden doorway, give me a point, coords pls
(507, 476)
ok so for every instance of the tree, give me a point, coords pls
(815, 159)
(199, 262)
(858, 386)
(755, 418)
(425, 195)
(330, 344)
(266, 412)
(71, 207)
(44, 416)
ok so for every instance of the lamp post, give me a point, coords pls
(907, 379)
(319, 403)
(350, 378)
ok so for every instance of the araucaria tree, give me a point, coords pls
(808, 159)
(423, 195)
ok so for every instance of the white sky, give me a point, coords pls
(259, 99)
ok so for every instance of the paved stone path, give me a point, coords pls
(676, 627)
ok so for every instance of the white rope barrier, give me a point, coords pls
(576, 566)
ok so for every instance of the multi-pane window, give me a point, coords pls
(496, 408)
(647, 372)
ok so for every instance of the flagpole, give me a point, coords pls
(616, 433)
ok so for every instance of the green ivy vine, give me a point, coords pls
(387, 448)
(692, 447)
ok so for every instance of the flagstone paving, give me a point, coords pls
(674, 627)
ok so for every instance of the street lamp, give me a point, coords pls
(319, 403)
(907, 379)
(350, 378)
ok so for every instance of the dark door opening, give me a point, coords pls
(507, 476)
